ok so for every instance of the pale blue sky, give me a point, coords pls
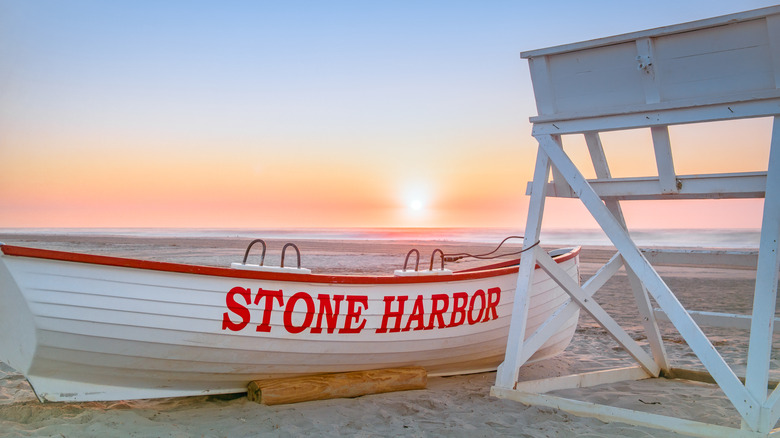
(389, 86)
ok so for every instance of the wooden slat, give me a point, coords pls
(662, 146)
(628, 416)
(773, 30)
(746, 105)
(597, 156)
(712, 186)
(559, 184)
(715, 319)
(703, 376)
(341, 385)
(545, 100)
(583, 380)
(696, 257)
(726, 60)
(658, 32)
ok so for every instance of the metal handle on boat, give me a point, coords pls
(298, 252)
(417, 264)
(262, 256)
(433, 256)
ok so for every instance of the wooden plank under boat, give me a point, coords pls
(86, 327)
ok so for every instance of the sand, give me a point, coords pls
(451, 406)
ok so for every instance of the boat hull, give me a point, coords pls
(101, 328)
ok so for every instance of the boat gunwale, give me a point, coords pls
(493, 270)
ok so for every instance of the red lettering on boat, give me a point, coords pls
(481, 294)
(462, 307)
(331, 313)
(493, 297)
(458, 310)
(237, 308)
(353, 313)
(418, 315)
(289, 309)
(270, 296)
(437, 313)
(389, 313)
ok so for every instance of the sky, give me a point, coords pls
(252, 114)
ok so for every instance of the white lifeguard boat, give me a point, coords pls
(86, 327)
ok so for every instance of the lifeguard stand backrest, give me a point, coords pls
(723, 60)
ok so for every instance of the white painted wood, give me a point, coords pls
(603, 275)
(773, 31)
(602, 317)
(699, 257)
(636, 418)
(744, 402)
(597, 155)
(558, 183)
(588, 80)
(649, 322)
(568, 310)
(663, 157)
(724, 68)
(549, 328)
(716, 319)
(545, 103)
(713, 186)
(421, 272)
(583, 380)
(506, 375)
(657, 32)
(645, 61)
(266, 268)
(765, 297)
(729, 60)
(654, 338)
(772, 405)
(754, 104)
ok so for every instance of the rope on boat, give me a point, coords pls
(452, 257)
(490, 255)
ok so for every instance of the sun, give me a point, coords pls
(416, 203)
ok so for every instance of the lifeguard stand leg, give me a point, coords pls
(765, 296)
(508, 370)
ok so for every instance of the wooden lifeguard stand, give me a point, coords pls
(717, 69)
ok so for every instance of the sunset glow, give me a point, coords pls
(315, 114)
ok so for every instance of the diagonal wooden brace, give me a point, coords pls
(580, 297)
(568, 309)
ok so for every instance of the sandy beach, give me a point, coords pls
(450, 406)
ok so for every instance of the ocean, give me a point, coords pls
(686, 238)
